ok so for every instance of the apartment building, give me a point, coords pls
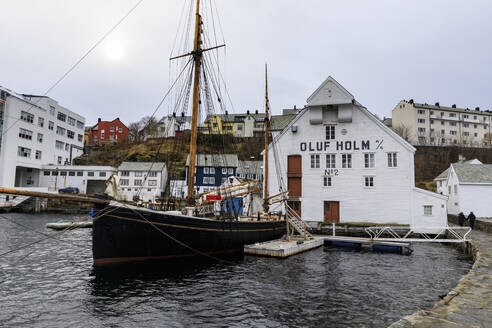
(436, 125)
(35, 131)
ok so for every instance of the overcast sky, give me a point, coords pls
(381, 51)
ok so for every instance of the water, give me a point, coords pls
(55, 285)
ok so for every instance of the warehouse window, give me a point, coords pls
(25, 116)
(330, 132)
(369, 161)
(455, 189)
(346, 161)
(369, 181)
(330, 161)
(392, 161)
(327, 181)
(315, 161)
(427, 210)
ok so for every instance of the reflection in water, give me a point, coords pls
(56, 286)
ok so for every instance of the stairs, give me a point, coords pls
(296, 222)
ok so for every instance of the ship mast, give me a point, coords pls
(197, 57)
(267, 123)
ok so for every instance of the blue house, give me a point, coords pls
(212, 170)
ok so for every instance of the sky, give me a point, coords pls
(380, 51)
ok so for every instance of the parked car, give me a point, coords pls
(69, 190)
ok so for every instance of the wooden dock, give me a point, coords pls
(283, 248)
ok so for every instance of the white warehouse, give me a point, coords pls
(340, 163)
(35, 131)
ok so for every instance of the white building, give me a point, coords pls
(35, 131)
(169, 125)
(469, 188)
(340, 163)
(143, 179)
(89, 179)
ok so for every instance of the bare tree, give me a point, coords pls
(134, 131)
(403, 131)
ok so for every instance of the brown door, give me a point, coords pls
(332, 211)
(294, 175)
(296, 206)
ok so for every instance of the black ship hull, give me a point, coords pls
(123, 234)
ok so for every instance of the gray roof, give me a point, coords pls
(443, 175)
(473, 173)
(141, 166)
(250, 167)
(279, 122)
(461, 110)
(216, 160)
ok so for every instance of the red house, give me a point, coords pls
(107, 131)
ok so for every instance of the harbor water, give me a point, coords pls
(53, 284)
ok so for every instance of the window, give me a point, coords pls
(40, 137)
(443, 132)
(152, 182)
(475, 126)
(392, 161)
(205, 180)
(23, 152)
(330, 161)
(466, 133)
(421, 120)
(61, 117)
(421, 111)
(455, 189)
(38, 154)
(452, 115)
(465, 116)
(63, 173)
(80, 124)
(465, 125)
(79, 137)
(212, 170)
(111, 136)
(452, 123)
(475, 134)
(427, 210)
(51, 125)
(432, 121)
(67, 147)
(90, 174)
(120, 129)
(369, 161)
(152, 174)
(102, 174)
(138, 173)
(347, 161)
(54, 173)
(111, 128)
(137, 182)
(80, 173)
(124, 182)
(71, 173)
(452, 132)
(59, 145)
(369, 181)
(442, 122)
(102, 134)
(421, 129)
(315, 161)
(205, 170)
(70, 134)
(41, 122)
(52, 111)
(230, 171)
(449, 190)
(211, 180)
(474, 117)
(60, 131)
(25, 116)
(330, 132)
(327, 181)
(25, 134)
(71, 121)
(224, 170)
(59, 161)
(125, 173)
(46, 173)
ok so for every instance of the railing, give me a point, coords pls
(439, 234)
(297, 223)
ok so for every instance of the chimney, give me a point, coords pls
(99, 120)
(454, 106)
(410, 101)
(182, 114)
(256, 111)
(117, 118)
(295, 107)
(247, 112)
(226, 112)
(477, 108)
(174, 114)
(437, 104)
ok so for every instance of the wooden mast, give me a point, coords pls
(267, 123)
(197, 57)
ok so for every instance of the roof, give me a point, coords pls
(461, 110)
(473, 173)
(250, 167)
(141, 166)
(232, 117)
(388, 121)
(443, 175)
(179, 119)
(215, 160)
(279, 122)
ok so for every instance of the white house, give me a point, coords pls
(146, 180)
(469, 187)
(89, 179)
(441, 179)
(340, 163)
(35, 131)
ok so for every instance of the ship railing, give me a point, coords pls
(447, 234)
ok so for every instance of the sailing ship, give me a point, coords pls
(125, 233)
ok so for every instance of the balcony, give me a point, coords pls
(471, 120)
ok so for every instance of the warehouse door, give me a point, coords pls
(294, 175)
(332, 211)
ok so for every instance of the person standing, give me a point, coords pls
(471, 219)
(461, 219)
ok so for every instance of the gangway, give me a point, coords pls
(448, 234)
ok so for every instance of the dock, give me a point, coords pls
(376, 245)
(69, 225)
(283, 248)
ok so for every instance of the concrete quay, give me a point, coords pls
(470, 303)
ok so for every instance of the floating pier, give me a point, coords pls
(376, 245)
(283, 248)
(67, 225)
